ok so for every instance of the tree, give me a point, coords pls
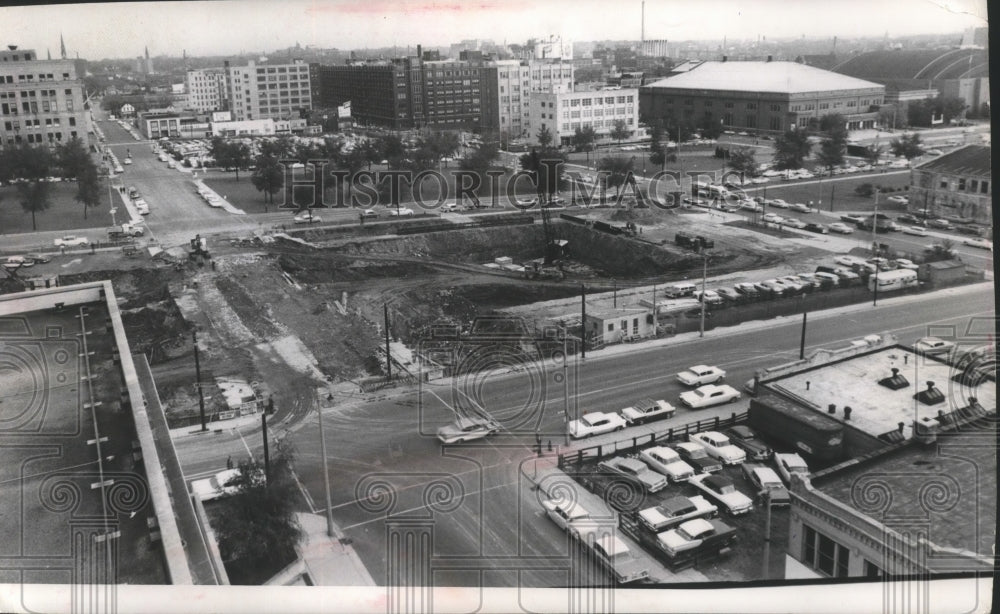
(909, 146)
(619, 169)
(790, 149)
(479, 160)
(268, 177)
(831, 153)
(943, 250)
(744, 162)
(951, 107)
(74, 161)
(584, 139)
(833, 124)
(88, 188)
(33, 165)
(873, 153)
(545, 167)
(352, 162)
(620, 131)
(257, 528)
(709, 127)
(392, 150)
(544, 137)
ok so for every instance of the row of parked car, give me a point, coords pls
(683, 526)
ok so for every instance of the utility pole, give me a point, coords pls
(704, 280)
(388, 356)
(565, 375)
(326, 470)
(267, 455)
(583, 321)
(802, 341)
(197, 371)
(833, 190)
(616, 294)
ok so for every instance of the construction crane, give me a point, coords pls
(549, 265)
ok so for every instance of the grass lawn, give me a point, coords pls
(64, 213)
(838, 195)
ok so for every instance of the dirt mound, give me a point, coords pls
(315, 269)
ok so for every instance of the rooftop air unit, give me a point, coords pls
(895, 381)
(931, 396)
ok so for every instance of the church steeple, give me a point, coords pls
(62, 47)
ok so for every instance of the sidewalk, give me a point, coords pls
(329, 561)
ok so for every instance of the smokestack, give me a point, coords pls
(724, 58)
(769, 58)
(420, 52)
(643, 32)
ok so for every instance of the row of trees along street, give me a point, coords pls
(30, 166)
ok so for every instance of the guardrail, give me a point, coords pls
(598, 452)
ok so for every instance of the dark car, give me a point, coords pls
(748, 290)
(817, 228)
(906, 218)
(968, 230)
(697, 456)
(743, 437)
(939, 223)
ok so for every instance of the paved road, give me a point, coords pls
(383, 455)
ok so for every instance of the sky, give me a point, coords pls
(122, 30)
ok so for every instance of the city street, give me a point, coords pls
(483, 509)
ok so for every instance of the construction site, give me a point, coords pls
(295, 310)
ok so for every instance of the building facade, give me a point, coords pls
(268, 91)
(508, 87)
(562, 113)
(956, 184)
(206, 89)
(761, 96)
(41, 101)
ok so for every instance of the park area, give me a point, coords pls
(64, 212)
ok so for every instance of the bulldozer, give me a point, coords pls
(199, 249)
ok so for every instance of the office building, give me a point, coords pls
(563, 112)
(206, 89)
(767, 96)
(508, 87)
(268, 91)
(41, 101)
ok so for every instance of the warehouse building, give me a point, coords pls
(956, 185)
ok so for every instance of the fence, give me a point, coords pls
(598, 452)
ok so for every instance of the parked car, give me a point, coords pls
(749, 205)
(770, 287)
(636, 470)
(614, 554)
(369, 213)
(449, 208)
(981, 243)
(729, 294)
(903, 263)
(794, 284)
(847, 260)
(306, 218)
(674, 511)
(595, 423)
(71, 241)
(38, 258)
(792, 222)
(829, 280)
(908, 219)
(401, 212)
(747, 289)
(916, 231)
(695, 537)
(718, 446)
(668, 462)
(16, 262)
(722, 490)
(933, 346)
(779, 203)
(788, 464)
(699, 375)
(939, 224)
(744, 437)
(766, 483)
(569, 516)
(647, 410)
(801, 208)
(899, 200)
(817, 228)
(773, 218)
(709, 395)
(811, 281)
(697, 456)
(841, 228)
(468, 429)
(711, 297)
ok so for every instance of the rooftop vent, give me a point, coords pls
(931, 396)
(12, 47)
(893, 436)
(895, 381)
(972, 411)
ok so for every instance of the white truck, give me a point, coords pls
(124, 231)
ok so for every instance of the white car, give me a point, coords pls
(568, 516)
(467, 429)
(794, 223)
(773, 218)
(848, 260)
(449, 208)
(749, 205)
(840, 227)
(694, 536)
(676, 510)
(71, 241)
(718, 446)
(647, 410)
(933, 346)
(899, 200)
(595, 423)
(128, 161)
(721, 489)
(637, 470)
(402, 212)
(216, 486)
(800, 208)
(903, 263)
(767, 482)
(215, 201)
(916, 231)
(306, 218)
(981, 243)
(614, 554)
(709, 395)
(779, 203)
(700, 375)
(790, 463)
(668, 462)
(16, 262)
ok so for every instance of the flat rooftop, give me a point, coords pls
(951, 485)
(70, 483)
(876, 409)
(770, 77)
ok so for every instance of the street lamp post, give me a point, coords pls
(326, 469)
(704, 280)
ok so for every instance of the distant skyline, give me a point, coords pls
(123, 30)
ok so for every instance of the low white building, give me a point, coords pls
(563, 112)
(250, 127)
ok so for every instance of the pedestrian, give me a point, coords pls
(229, 462)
